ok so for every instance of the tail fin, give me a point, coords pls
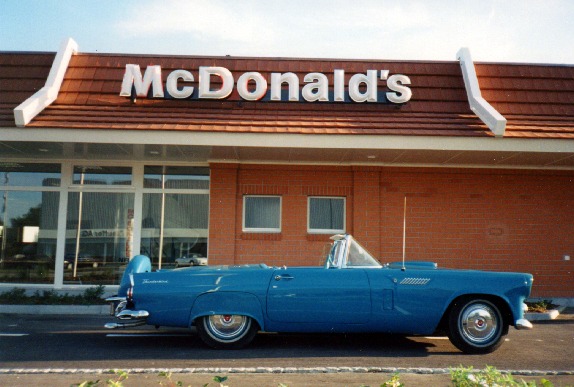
(138, 264)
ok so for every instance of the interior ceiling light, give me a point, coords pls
(88, 167)
(10, 165)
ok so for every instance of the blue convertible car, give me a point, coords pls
(351, 292)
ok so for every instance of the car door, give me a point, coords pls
(407, 301)
(319, 295)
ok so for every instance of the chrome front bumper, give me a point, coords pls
(523, 323)
(129, 318)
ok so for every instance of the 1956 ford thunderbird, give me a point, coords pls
(351, 292)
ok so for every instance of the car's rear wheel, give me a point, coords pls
(476, 326)
(227, 331)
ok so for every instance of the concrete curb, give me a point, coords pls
(549, 315)
(267, 370)
(56, 309)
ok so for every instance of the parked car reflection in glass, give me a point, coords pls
(191, 259)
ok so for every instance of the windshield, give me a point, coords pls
(335, 252)
(355, 256)
(359, 257)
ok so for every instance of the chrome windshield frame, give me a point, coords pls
(345, 242)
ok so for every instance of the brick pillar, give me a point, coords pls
(222, 213)
(367, 208)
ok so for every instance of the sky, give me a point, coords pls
(524, 31)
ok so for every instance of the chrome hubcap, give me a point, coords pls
(227, 326)
(479, 323)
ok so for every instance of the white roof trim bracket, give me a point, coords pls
(27, 110)
(488, 114)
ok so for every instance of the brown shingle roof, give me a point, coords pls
(537, 100)
(21, 75)
(89, 98)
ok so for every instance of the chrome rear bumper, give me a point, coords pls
(128, 314)
(124, 324)
(129, 318)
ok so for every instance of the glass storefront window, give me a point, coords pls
(28, 221)
(29, 175)
(28, 228)
(99, 236)
(184, 228)
(176, 177)
(175, 224)
(102, 175)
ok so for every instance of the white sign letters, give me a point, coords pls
(252, 86)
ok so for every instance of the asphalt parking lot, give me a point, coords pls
(62, 350)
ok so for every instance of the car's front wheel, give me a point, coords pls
(227, 331)
(476, 326)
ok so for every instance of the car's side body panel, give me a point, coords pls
(177, 297)
(309, 299)
(229, 303)
(414, 301)
(314, 295)
(352, 292)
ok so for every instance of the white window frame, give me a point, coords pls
(262, 230)
(326, 231)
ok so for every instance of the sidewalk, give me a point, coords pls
(56, 309)
(255, 379)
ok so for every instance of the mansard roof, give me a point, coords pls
(537, 100)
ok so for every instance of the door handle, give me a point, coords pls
(283, 276)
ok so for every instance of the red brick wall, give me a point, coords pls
(461, 218)
(222, 214)
(490, 220)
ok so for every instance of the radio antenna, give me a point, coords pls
(404, 233)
